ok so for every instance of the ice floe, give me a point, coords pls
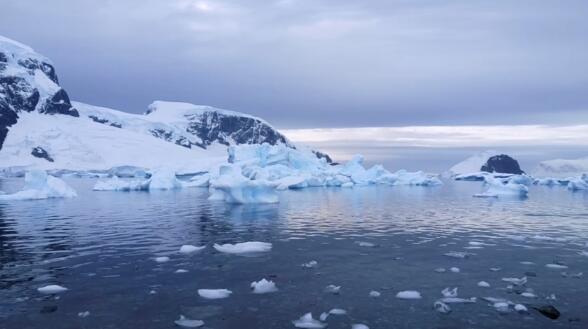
(497, 188)
(374, 294)
(232, 187)
(556, 266)
(244, 247)
(214, 293)
(310, 264)
(84, 314)
(52, 289)
(181, 270)
(448, 292)
(408, 294)
(161, 259)
(164, 179)
(263, 286)
(188, 249)
(458, 300)
(458, 254)
(516, 281)
(188, 323)
(38, 185)
(521, 308)
(441, 307)
(578, 183)
(333, 289)
(122, 185)
(308, 322)
(483, 284)
(455, 269)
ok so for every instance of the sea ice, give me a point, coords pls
(409, 294)
(214, 293)
(528, 295)
(556, 266)
(483, 284)
(188, 249)
(263, 286)
(502, 307)
(307, 322)
(516, 281)
(337, 311)
(455, 269)
(38, 185)
(458, 254)
(374, 293)
(162, 259)
(187, 323)
(244, 247)
(52, 289)
(441, 307)
(521, 308)
(447, 292)
(579, 183)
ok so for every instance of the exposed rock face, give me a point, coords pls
(40, 152)
(27, 83)
(502, 164)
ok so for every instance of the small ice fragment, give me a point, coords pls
(188, 249)
(501, 307)
(181, 270)
(556, 266)
(324, 316)
(449, 292)
(458, 254)
(244, 247)
(440, 270)
(52, 289)
(263, 286)
(162, 259)
(483, 284)
(333, 289)
(455, 269)
(338, 311)
(214, 293)
(409, 294)
(152, 292)
(187, 323)
(527, 263)
(495, 269)
(457, 300)
(441, 307)
(83, 314)
(374, 293)
(359, 326)
(516, 281)
(551, 297)
(365, 244)
(521, 308)
(307, 322)
(529, 295)
(311, 264)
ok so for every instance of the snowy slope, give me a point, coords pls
(472, 164)
(562, 168)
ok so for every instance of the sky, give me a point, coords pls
(328, 64)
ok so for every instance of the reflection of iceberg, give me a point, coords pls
(39, 185)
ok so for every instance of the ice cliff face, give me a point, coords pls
(28, 83)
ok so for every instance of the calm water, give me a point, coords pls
(102, 245)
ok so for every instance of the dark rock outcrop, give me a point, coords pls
(39, 152)
(502, 164)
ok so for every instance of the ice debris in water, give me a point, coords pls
(556, 266)
(52, 289)
(232, 187)
(337, 311)
(263, 286)
(516, 281)
(188, 249)
(162, 259)
(483, 284)
(311, 264)
(333, 289)
(38, 185)
(366, 244)
(307, 322)
(374, 293)
(441, 307)
(359, 326)
(181, 270)
(521, 308)
(495, 269)
(447, 292)
(497, 188)
(214, 293)
(84, 314)
(188, 323)
(409, 294)
(457, 300)
(244, 247)
(458, 254)
(440, 270)
(502, 307)
(455, 269)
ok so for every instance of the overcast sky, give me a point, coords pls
(321, 63)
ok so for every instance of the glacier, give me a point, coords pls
(38, 185)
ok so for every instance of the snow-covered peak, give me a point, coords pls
(472, 164)
(14, 47)
(166, 111)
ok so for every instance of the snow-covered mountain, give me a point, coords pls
(40, 128)
(562, 167)
(485, 162)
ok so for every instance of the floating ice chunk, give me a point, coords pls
(529, 294)
(483, 284)
(579, 183)
(516, 281)
(117, 184)
(337, 311)
(497, 188)
(375, 294)
(244, 247)
(324, 316)
(181, 270)
(440, 270)
(551, 297)
(263, 286)
(38, 185)
(187, 323)
(307, 322)
(548, 181)
(495, 269)
(441, 307)
(494, 300)
(188, 249)
(311, 264)
(458, 254)
(347, 185)
(409, 294)
(457, 300)
(455, 269)
(52, 289)
(527, 263)
(502, 307)
(162, 259)
(164, 179)
(366, 244)
(198, 181)
(333, 289)
(84, 314)
(447, 292)
(232, 187)
(214, 293)
(556, 266)
(359, 326)
(521, 308)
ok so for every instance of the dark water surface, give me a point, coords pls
(102, 246)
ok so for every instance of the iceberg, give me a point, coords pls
(232, 187)
(263, 286)
(164, 179)
(244, 247)
(214, 293)
(116, 184)
(497, 188)
(38, 185)
(579, 183)
(188, 249)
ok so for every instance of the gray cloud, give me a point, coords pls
(321, 63)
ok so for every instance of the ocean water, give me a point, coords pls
(102, 246)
